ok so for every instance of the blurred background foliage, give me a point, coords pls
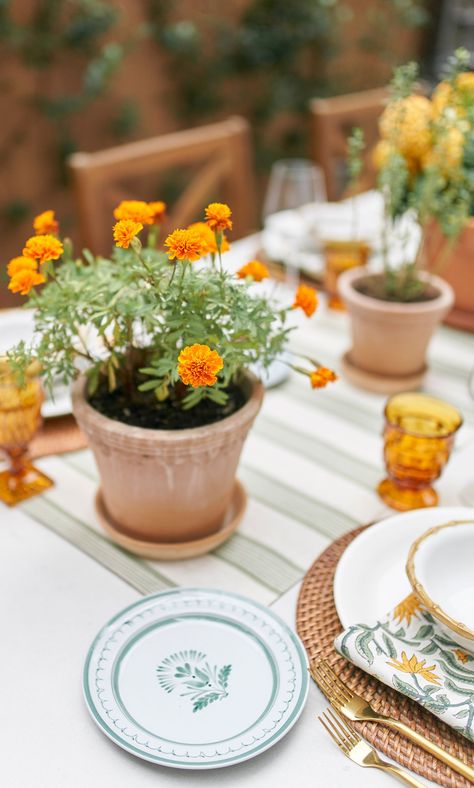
(87, 74)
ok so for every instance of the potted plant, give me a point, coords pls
(446, 192)
(395, 310)
(158, 342)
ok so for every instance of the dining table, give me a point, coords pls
(310, 467)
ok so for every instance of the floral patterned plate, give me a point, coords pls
(410, 652)
(195, 679)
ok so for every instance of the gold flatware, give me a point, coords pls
(355, 748)
(356, 708)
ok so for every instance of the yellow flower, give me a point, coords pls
(209, 238)
(24, 280)
(465, 81)
(442, 96)
(306, 298)
(382, 152)
(43, 248)
(198, 365)
(158, 210)
(406, 123)
(407, 608)
(255, 269)
(135, 211)
(186, 245)
(462, 656)
(19, 264)
(125, 231)
(45, 223)
(218, 216)
(415, 667)
(448, 151)
(321, 377)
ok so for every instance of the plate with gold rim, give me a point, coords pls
(195, 679)
(370, 577)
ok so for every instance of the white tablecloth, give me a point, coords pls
(310, 466)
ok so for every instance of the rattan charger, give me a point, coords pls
(318, 624)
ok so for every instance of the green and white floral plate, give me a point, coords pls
(195, 679)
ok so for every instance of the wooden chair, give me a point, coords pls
(218, 157)
(332, 122)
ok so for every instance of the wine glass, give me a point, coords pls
(20, 419)
(293, 184)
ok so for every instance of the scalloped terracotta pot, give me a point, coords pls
(167, 485)
(389, 339)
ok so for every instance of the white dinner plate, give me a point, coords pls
(196, 679)
(370, 577)
(15, 326)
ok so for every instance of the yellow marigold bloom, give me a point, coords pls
(198, 365)
(407, 608)
(45, 223)
(218, 216)
(125, 231)
(442, 96)
(43, 248)
(306, 298)
(407, 122)
(158, 210)
(465, 81)
(255, 269)
(413, 666)
(382, 152)
(186, 245)
(19, 264)
(321, 377)
(135, 211)
(24, 280)
(462, 656)
(209, 238)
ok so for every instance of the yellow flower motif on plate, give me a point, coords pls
(414, 666)
(407, 609)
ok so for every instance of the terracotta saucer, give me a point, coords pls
(380, 384)
(175, 551)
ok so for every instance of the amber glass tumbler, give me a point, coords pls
(20, 419)
(339, 257)
(418, 438)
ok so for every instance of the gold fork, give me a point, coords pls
(354, 707)
(355, 748)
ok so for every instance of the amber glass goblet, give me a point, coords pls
(20, 419)
(418, 438)
(340, 256)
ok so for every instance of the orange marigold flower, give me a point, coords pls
(43, 248)
(135, 211)
(19, 264)
(321, 377)
(218, 216)
(186, 245)
(158, 210)
(45, 223)
(125, 231)
(255, 269)
(209, 238)
(307, 299)
(24, 280)
(198, 365)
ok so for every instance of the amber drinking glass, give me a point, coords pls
(418, 438)
(20, 419)
(339, 257)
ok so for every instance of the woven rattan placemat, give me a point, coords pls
(318, 624)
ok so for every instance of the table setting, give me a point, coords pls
(213, 575)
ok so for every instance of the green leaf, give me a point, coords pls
(402, 686)
(431, 648)
(392, 651)
(362, 646)
(462, 714)
(149, 385)
(425, 631)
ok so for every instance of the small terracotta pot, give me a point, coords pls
(167, 485)
(457, 269)
(389, 339)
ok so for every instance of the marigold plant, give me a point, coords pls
(155, 322)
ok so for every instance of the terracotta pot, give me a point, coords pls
(457, 268)
(389, 339)
(167, 485)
